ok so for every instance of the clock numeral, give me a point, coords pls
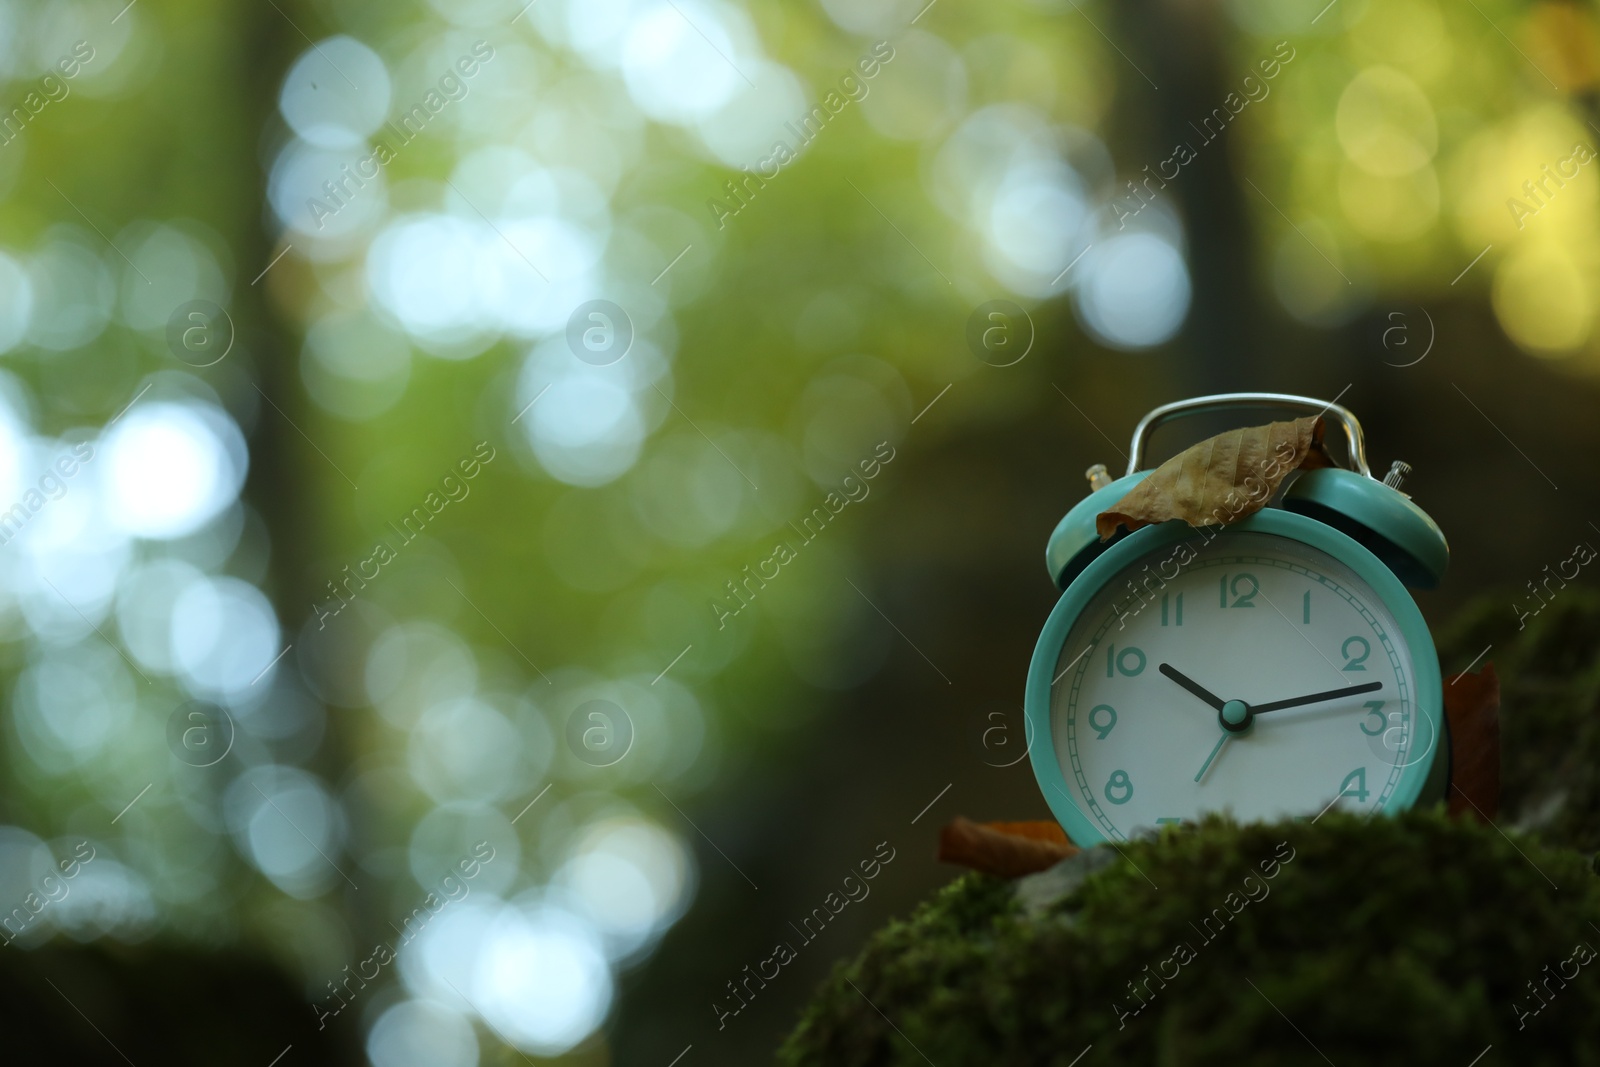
(1177, 604)
(1109, 726)
(1354, 663)
(1130, 661)
(1355, 784)
(1119, 783)
(1306, 613)
(1375, 711)
(1240, 599)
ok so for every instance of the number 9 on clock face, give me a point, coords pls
(1274, 668)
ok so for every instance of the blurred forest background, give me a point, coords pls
(263, 346)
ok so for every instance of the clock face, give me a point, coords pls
(1196, 636)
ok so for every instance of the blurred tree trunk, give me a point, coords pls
(286, 473)
(1180, 45)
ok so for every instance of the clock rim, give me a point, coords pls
(1429, 699)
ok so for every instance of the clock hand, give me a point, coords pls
(1315, 698)
(1220, 742)
(1191, 685)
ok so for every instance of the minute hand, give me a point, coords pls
(1316, 698)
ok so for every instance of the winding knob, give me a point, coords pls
(1397, 473)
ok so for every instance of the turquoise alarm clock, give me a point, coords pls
(1275, 666)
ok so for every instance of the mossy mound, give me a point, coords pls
(1411, 940)
(1549, 709)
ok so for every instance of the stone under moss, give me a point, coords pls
(1408, 940)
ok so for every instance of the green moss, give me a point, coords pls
(1401, 940)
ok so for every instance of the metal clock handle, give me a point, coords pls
(1223, 401)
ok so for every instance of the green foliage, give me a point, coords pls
(1402, 940)
(1549, 710)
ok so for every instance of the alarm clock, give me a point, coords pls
(1269, 667)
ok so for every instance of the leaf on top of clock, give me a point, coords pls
(1005, 849)
(1222, 479)
(1472, 706)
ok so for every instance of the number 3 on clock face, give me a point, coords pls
(1273, 668)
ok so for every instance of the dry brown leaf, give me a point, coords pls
(1472, 705)
(1222, 479)
(1009, 850)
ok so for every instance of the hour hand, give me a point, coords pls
(1191, 685)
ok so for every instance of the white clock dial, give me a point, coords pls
(1249, 618)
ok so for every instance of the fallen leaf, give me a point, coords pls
(1006, 849)
(1222, 479)
(1472, 706)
